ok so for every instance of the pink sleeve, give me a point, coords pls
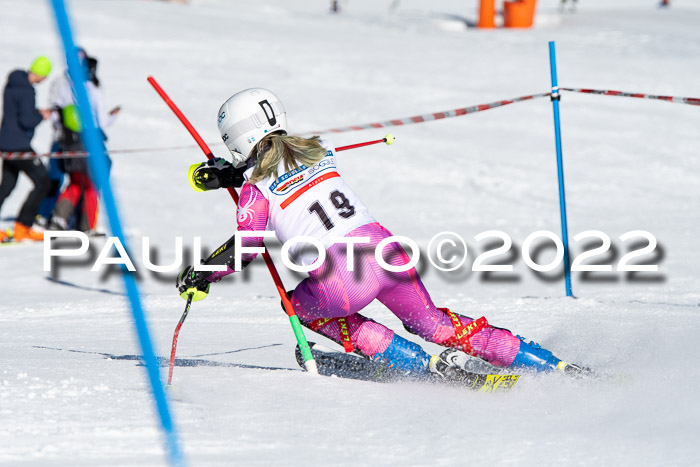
(253, 210)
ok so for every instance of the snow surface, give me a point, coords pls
(71, 389)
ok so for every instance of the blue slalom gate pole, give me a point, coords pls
(92, 140)
(560, 168)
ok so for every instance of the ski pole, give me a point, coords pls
(177, 333)
(388, 139)
(309, 362)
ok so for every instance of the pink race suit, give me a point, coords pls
(332, 291)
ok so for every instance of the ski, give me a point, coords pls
(339, 364)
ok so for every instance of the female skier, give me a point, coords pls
(292, 185)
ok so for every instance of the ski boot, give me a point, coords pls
(404, 356)
(58, 223)
(410, 359)
(23, 232)
(532, 356)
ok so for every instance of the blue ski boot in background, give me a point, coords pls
(532, 356)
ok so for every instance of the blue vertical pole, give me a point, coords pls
(99, 166)
(560, 168)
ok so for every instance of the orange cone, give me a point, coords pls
(487, 13)
(519, 14)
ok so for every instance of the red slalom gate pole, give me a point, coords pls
(309, 362)
(388, 139)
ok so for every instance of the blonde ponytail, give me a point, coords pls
(293, 150)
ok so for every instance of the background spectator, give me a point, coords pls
(19, 119)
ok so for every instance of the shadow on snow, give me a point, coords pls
(188, 362)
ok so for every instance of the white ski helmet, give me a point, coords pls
(247, 117)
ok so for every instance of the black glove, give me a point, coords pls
(192, 282)
(215, 173)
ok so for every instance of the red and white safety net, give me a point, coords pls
(396, 122)
(388, 123)
(430, 116)
(677, 100)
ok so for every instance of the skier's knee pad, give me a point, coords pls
(532, 356)
(404, 355)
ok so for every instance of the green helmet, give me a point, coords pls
(71, 118)
(41, 66)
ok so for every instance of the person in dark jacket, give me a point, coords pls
(19, 119)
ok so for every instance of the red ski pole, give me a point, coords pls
(309, 362)
(175, 335)
(388, 139)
